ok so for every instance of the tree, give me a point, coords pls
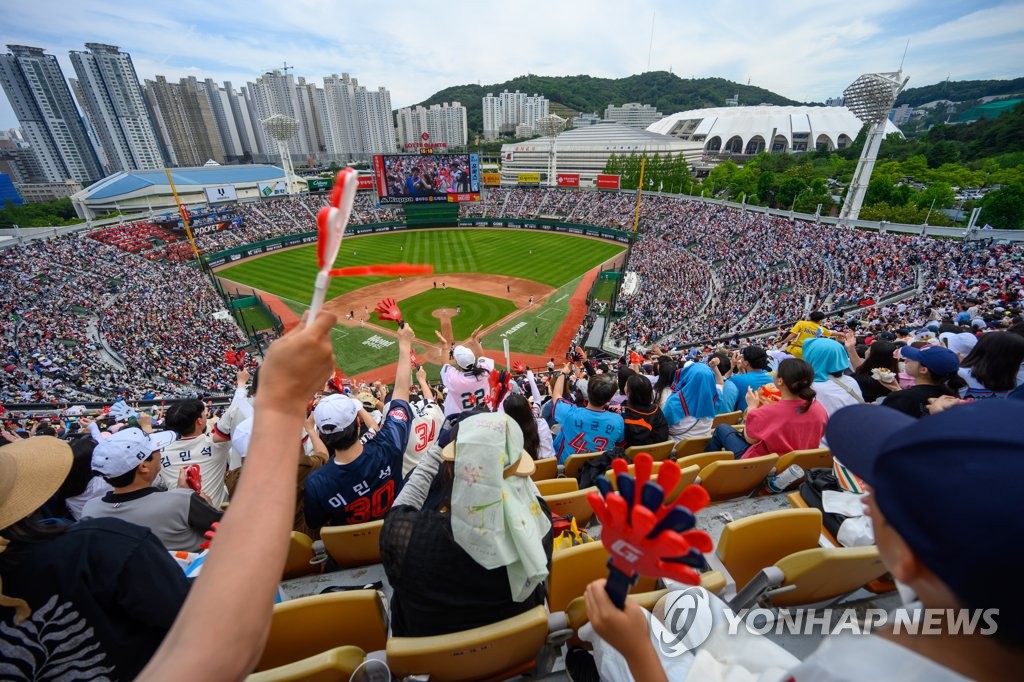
(1004, 208)
(943, 152)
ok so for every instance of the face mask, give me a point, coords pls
(907, 594)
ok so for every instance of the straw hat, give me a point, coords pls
(506, 441)
(31, 471)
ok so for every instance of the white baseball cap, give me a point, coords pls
(335, 412)
(464, 357)
(126, 449)
(961, 343)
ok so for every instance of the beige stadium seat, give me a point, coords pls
(573, 503)
(300, 552)
(657, 451)
(354, 545)
(730, 418)
(806, 459)
(335, 665)
(545, 468)
(572, 465)
(749, 544)
(702, 459)
(307, 626)
(691, 446)
(573, 568)
(725, 480)
(556, 486)
(497, 651)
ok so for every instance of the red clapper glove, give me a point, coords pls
(519, 367)
(209, 535)
(388, 310)
(644, 533)
(194, 478)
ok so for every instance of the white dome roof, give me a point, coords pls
(749, 130)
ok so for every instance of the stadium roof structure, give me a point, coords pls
(751, 130)
(586, 151)
(131, 191)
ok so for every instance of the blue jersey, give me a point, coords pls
(364, 489)
(585, 430)
(734, 393)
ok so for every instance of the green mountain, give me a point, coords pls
(666, 91)
(959, 91)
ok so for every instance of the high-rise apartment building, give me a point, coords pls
(185, 120)
(357, 122)
(443, 122)
(110, 94)
(502, 113)
(276, 93)
(50, 122)
(633, 114)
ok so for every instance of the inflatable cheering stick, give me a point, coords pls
(645, 533)
(331, 222)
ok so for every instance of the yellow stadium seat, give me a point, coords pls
(805, 459)
(355, 545)
(702, 459)
(556, 486)
(546, 468)
(797, 501)
(300, 552)
(573, 568)
(497, 651)
(691, 446)
(825, 574)
(335, 665)
(730, 418)
(657, 451)
(572, 503)
(304, 627)
(725, 480)
(749, 544)
(572, 465)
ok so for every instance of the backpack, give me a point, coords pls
(815, 484)
(596, 468)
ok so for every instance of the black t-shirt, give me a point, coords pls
(914, 400)
(644, 426)
(103, 595)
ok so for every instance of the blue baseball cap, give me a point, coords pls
(939, 361)
(948, 484)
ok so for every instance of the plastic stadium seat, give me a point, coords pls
(572, 465)
(657, 451)
(556, 486)
(355, 545)
(731, 418)
(818, 576)
(691, 446)
(546, 468)
(749, 544)
(497, 651)
(300, 552)
(304, 627)
(805, 459)
(573, 568)
(702, 459)
(572, 503)
(725, 480)
(689, 476)
(336, 665)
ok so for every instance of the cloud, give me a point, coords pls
(802, 49)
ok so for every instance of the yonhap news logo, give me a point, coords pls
(689, 619)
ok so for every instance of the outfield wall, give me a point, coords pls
(240, 253)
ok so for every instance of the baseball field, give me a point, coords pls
(516, 284)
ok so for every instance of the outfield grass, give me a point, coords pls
(476, 310)
(557, 260)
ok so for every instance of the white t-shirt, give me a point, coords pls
(463, 390)
(211, 457)
(834, 397)
(426, 426)
(849, 658)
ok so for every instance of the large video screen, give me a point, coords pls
(408, 178)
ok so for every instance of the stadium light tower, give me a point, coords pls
(283, 128)
(870, 98)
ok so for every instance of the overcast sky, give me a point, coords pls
(802, 49)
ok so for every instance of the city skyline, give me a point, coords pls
(803, 51)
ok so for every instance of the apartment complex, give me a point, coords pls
(443, 123)
(505, 111)
(633, 114)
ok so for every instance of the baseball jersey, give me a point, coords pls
(363, 489)
(585, 430)
(426, 426)
(178, 517)
(463, 390)
(211, 457)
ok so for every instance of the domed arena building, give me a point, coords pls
(751, 130)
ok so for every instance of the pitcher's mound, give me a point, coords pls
(444, 313)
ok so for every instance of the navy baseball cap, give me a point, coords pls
(939, 361)
(947, 483)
